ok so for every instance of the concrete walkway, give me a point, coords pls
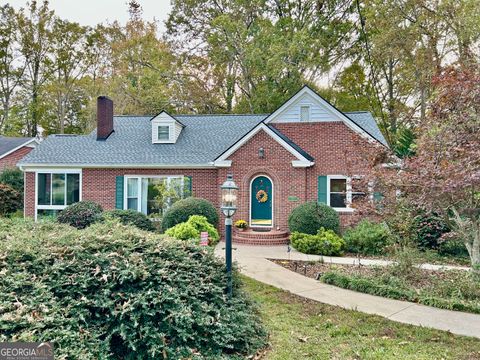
(253, 262)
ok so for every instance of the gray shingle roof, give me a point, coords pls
(201, 141)
(367, 122)
(9, 143)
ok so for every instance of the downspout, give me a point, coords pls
(306, 184)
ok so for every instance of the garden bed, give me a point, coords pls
(424, 257)
(447, 289)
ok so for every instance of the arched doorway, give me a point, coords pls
(261, 202)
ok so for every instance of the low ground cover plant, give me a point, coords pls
(308, 217)
(192, 228)
(112, 291)
(183, 209)
(367, 238)
(324, 242)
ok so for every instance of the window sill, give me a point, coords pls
(344, 210)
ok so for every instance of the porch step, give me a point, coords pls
(272, 237)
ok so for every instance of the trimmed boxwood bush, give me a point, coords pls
(191, 229)
(132, 217)
(10, 200)
(112, 291)
(367, 238)
(183, 209)
(325, 242)
(80, 214)
(310, 216)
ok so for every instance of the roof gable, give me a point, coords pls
(9, 145)
(320, 110)
(302, 158)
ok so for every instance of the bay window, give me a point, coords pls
(56, 190)
(154, 194)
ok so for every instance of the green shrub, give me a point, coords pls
(183, 231)
(116, 292)
(429, 229)
(367, 238)
(191, 229)
(310, 216)
(325, 242)
(80, 214)
(183, 209)
(452, 247)
(12, 177)
(10, 200)
(132, 217)
(201, 224)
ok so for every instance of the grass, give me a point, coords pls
(304, 329)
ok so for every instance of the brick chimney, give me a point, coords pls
(104, 117)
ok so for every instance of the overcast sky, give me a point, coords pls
(92, 12)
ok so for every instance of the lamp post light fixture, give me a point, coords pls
(229, 206)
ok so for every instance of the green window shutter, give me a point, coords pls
(322, 189)
(119, 192)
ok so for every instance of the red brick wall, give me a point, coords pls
(337, 151)
(99, 184)
(277, 164)
(12, 159)
(29, 198)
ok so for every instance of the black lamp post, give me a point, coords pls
(229, 206)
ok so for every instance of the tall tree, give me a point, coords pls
(11, 65)
(262, 50)
(36, 41)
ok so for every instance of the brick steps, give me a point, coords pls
(250, 237)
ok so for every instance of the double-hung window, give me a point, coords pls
(56, 190)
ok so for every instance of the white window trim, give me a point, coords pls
(348, 199)
(139, 187)
(56, 171)
(171, 132)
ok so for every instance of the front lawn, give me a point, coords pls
(446, 289)
(304, 329)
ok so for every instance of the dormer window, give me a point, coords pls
(165, 129)
(163, 133)
(304, 113)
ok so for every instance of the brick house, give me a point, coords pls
(305, 150)
(13, 149)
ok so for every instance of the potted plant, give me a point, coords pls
(241, 225)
